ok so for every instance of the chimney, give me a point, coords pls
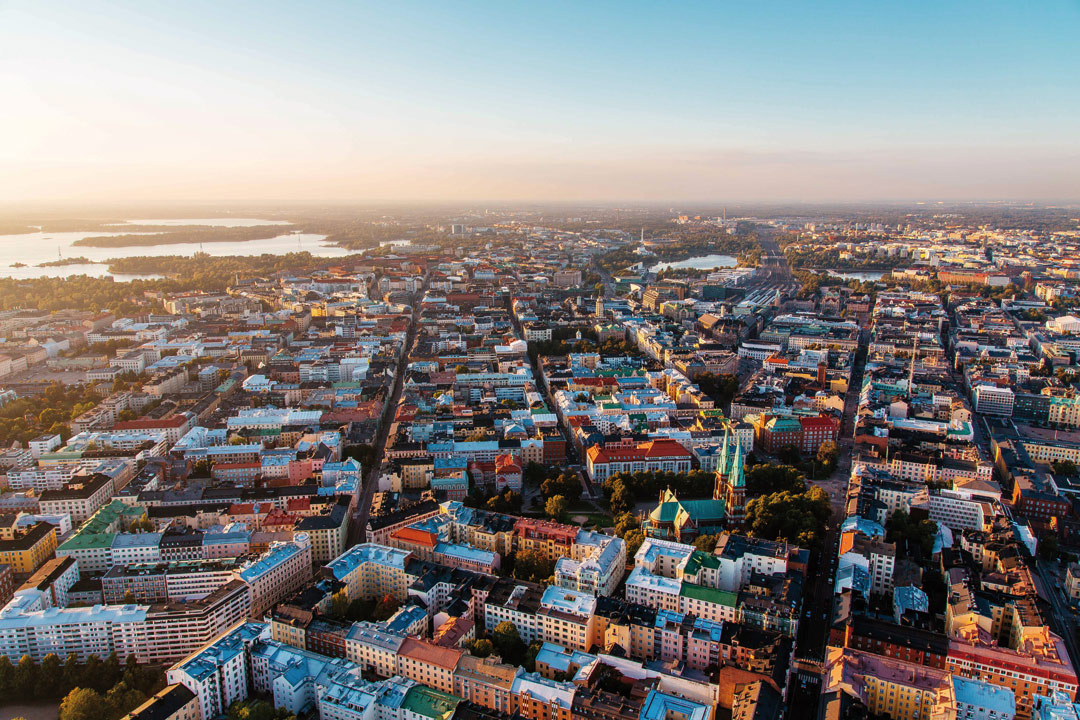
(821, 374)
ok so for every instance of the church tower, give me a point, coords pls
(730, 482)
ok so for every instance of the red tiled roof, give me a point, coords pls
(298, 504)
(820, 421)
(416, 537)
(173, 421)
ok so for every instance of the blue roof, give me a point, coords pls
(466, 552)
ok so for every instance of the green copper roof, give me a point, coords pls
(430, 703)
(708, 594)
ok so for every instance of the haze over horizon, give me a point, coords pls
(131, 102)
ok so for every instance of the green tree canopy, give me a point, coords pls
(480, 647)
(556, 507)
(798, 518)
(507, 641)
(768, 478)
(83, 704)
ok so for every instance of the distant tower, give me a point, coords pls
(600, 306)
(643, 235)
(730, 482)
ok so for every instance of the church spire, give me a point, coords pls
(737, 479)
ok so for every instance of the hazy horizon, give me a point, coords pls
(134, 103)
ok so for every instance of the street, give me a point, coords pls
(358, 523)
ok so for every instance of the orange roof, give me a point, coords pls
(650, 449)
(415, 536)
(507, 463)
(663, 448)
(425, 652)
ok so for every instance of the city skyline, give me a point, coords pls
(480, 102)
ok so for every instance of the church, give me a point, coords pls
(685, 520)
(731, 482)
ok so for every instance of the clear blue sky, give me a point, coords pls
(703, 100)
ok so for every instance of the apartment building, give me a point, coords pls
(370, 570)
(80, 499)
(373, 647)
(26, 550)
(282, 570)
(152, 633)
(428, 664)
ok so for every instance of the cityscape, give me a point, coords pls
(494, 362)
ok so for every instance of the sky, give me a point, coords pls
(539, 101)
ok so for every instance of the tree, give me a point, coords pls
(91, 673)
(796, 518)
(1063, 467)
(634, 540)
(828, 453)
(48, 675)
(82, 704)
(789, 455)
(26, 676)
(721, 388)
(122, 699)
(339, 604)
(706, 543)
(532, 565)
(7, 677)
(385, 608)
(257, 710)
(556, 507)
(111, 672)
(506, 502)
(143, 524)
(567, 484)
(625, 522)
(480, 647)
(71, 674)
(534, 473)
(620, 500)
(911, 535)
(1048, 547)
(530, 656)
(507, 641)
(767, 478)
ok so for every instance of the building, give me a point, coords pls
(79, 499)
(372, 571)
(27, 550)
(1072, 582)
(684, 520)
(993, 400)
(652, 455)
(900, 690)
(173, 702)
(152, 633)
(53, 580)
(428, 664)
